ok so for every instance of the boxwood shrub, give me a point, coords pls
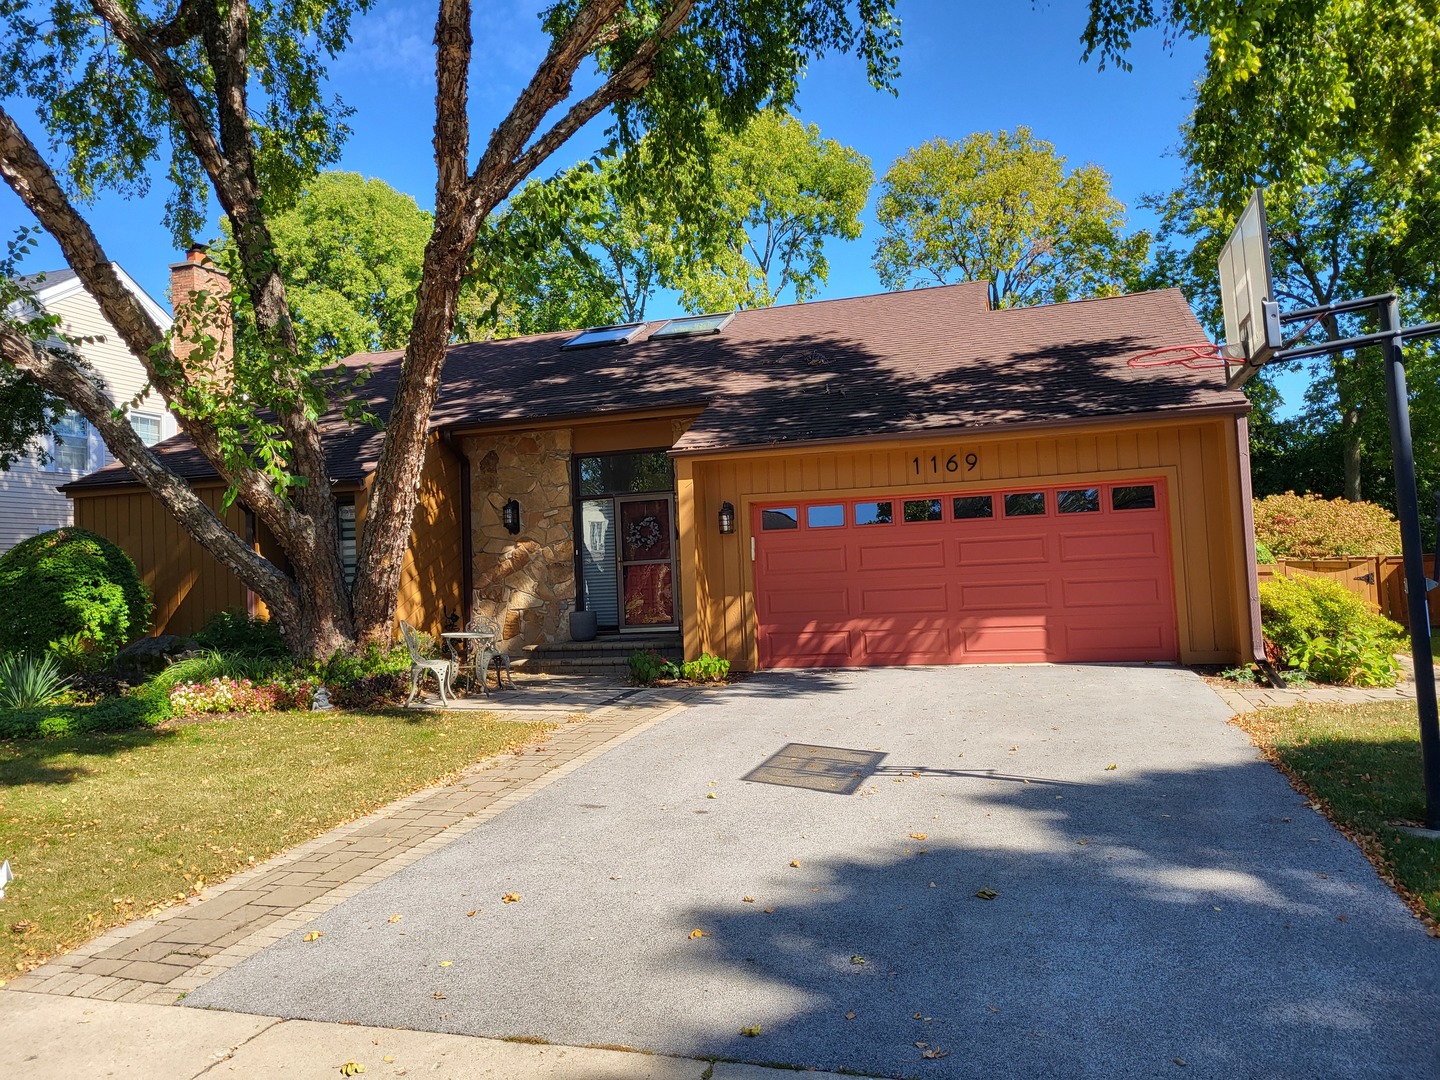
(70, 585)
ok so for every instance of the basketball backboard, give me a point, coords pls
(1245, 288)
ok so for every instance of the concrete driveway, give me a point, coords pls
(1153, 899)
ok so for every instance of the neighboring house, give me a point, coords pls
(908, 478)
(30, 500)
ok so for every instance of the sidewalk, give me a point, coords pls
(102, 1009)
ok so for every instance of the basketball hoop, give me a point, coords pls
(1201, 356)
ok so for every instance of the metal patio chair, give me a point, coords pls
(487, 655)
(443, 670)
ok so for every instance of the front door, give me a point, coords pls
(646, 547)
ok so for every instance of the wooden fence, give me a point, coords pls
(1380, 579)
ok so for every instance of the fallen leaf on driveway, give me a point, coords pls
(920, 1046)
(395, 918)
(388, 1058)
(915, 1016)
(710, 795)
(934, 1053)
(850, 1016)
(750, 1032)
(447, 963)
(769, 911)
(747, 899)
(794, 862)
(511, 898)
(472, 914)
(919, 836)
(1180, 1062)
(857, 960)
(313, 935)
(987, 894)
(438, 996)
(696, 933)
(1111, 767)
(351, 1068)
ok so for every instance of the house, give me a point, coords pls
(907, 478)
(30, 499)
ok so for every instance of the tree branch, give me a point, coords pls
(61, 376)
(31, 178)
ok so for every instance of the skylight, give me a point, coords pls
(693, 326)
(605, 335)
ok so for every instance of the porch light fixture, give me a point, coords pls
(727, 518)
(510, 517)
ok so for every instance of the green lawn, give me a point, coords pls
(101, 829)
(1362, 764)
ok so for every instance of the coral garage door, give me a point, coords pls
(1015, 575)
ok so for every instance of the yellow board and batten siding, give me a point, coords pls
(1198, 460)
(189, 586)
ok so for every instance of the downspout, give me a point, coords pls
(1252, 571)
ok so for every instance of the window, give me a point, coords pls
(147, 427)
(873, 513)
(621, 474)
(693, 326)
(71, 446)
(345, 511)
(1080, 501)
(825, 517)
(973, 506)
(922, 510)
(605, 335)
(1138, 497)
(787, 517)
(1025, 504)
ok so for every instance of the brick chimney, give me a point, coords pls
(200, 297)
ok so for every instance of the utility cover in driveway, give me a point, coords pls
(1013, 575)
(817, 768)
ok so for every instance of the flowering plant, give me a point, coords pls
(224, 694)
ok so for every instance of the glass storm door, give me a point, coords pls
(646, 543)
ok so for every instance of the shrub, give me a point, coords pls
(370, 691)
(73, 587)
(706, 669)
(1328, 631)
(1309, 527)
(144, 707)
(1263, 555)
(235, 632)
(28, 682)
(648, 666)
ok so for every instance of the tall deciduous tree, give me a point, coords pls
(781, 190)
(1002, 207)
(232, 94)
(1333, 106)
(596, 242)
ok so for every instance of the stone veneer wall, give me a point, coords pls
(528, 578)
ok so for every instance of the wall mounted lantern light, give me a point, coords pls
(510, 516)
(727, 518)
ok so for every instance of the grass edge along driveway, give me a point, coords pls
(101, 829)
(1360, 766)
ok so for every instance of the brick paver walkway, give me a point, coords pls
(160, 959)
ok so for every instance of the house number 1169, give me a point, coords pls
(950, 464)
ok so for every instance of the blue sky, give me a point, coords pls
(966, 67)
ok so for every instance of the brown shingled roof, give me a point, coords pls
(888, 364)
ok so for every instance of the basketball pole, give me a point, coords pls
(1407, 506)
(1391, 339)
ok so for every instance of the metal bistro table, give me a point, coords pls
(469, 648)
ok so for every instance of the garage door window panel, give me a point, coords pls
(1133, 497)
(923, 510)
(874, 513)
(1078, 501)
(967, 507)
(787, 517)
(1025, 504)
(825, 517)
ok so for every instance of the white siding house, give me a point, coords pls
(29, 501)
